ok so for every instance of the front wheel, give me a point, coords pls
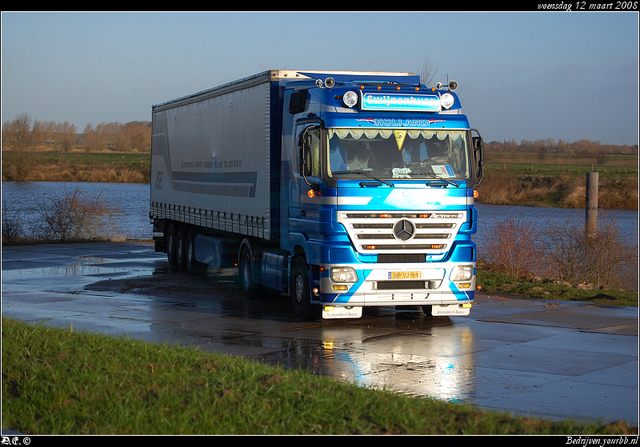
(427, 310)
(301, 292)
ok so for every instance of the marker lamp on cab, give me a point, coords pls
(461, 273)
(350, 98)
(343, 274)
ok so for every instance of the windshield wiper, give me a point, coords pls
(438, 179)
(366, 174)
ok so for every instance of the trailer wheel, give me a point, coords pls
(301, 292)
(181, 248)
(194, 267)
(245, 270)
(170, 238)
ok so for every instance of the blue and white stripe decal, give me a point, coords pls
(402, 198)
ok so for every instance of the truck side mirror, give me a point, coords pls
(478, 156)
(304, 143)
(305, 157)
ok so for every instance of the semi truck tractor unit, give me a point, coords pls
(341, 189)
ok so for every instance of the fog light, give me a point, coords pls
(340, 287)
(350, 99)
(464, 285)
(447, 101)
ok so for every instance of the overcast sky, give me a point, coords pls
(561, 75)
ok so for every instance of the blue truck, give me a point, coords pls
(341, 189)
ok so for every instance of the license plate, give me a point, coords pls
(452, 309)
(405, 275)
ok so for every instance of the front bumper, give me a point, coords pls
(396, 285)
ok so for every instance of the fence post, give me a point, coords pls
(591, 211)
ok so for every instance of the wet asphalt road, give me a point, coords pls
(550, 359)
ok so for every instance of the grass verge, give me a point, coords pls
(500, 283)
(60, 381)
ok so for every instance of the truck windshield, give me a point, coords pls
(397, 154)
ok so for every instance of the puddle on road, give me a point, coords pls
(413, 363)
(74, 276)
(72, 270)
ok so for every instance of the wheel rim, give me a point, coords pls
(299, 288)
(245, 270)
(171, 245)
(189, 259)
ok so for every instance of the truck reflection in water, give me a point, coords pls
(435, 362)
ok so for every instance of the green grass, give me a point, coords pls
(495, 282)
(127, 160)
(521, 164)
(522, 169)
(60, 381)
(54, 166)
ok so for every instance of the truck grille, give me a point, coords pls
(406, 233)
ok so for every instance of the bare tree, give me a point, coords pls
(18, 138)
(67, 135)
(428, 71)
(89, 138)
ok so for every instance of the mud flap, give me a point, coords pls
(438, 310)
(334, 312)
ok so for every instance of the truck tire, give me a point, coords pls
(301, 292)
(245, 270)
(170, 241)
(427, 311)
(247, 280)
(194, 267)
(181, 248)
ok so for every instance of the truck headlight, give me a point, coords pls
(350, 98)
(461, 273)
(447, 100)
(343, 274)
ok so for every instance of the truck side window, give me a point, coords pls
(315, 152)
